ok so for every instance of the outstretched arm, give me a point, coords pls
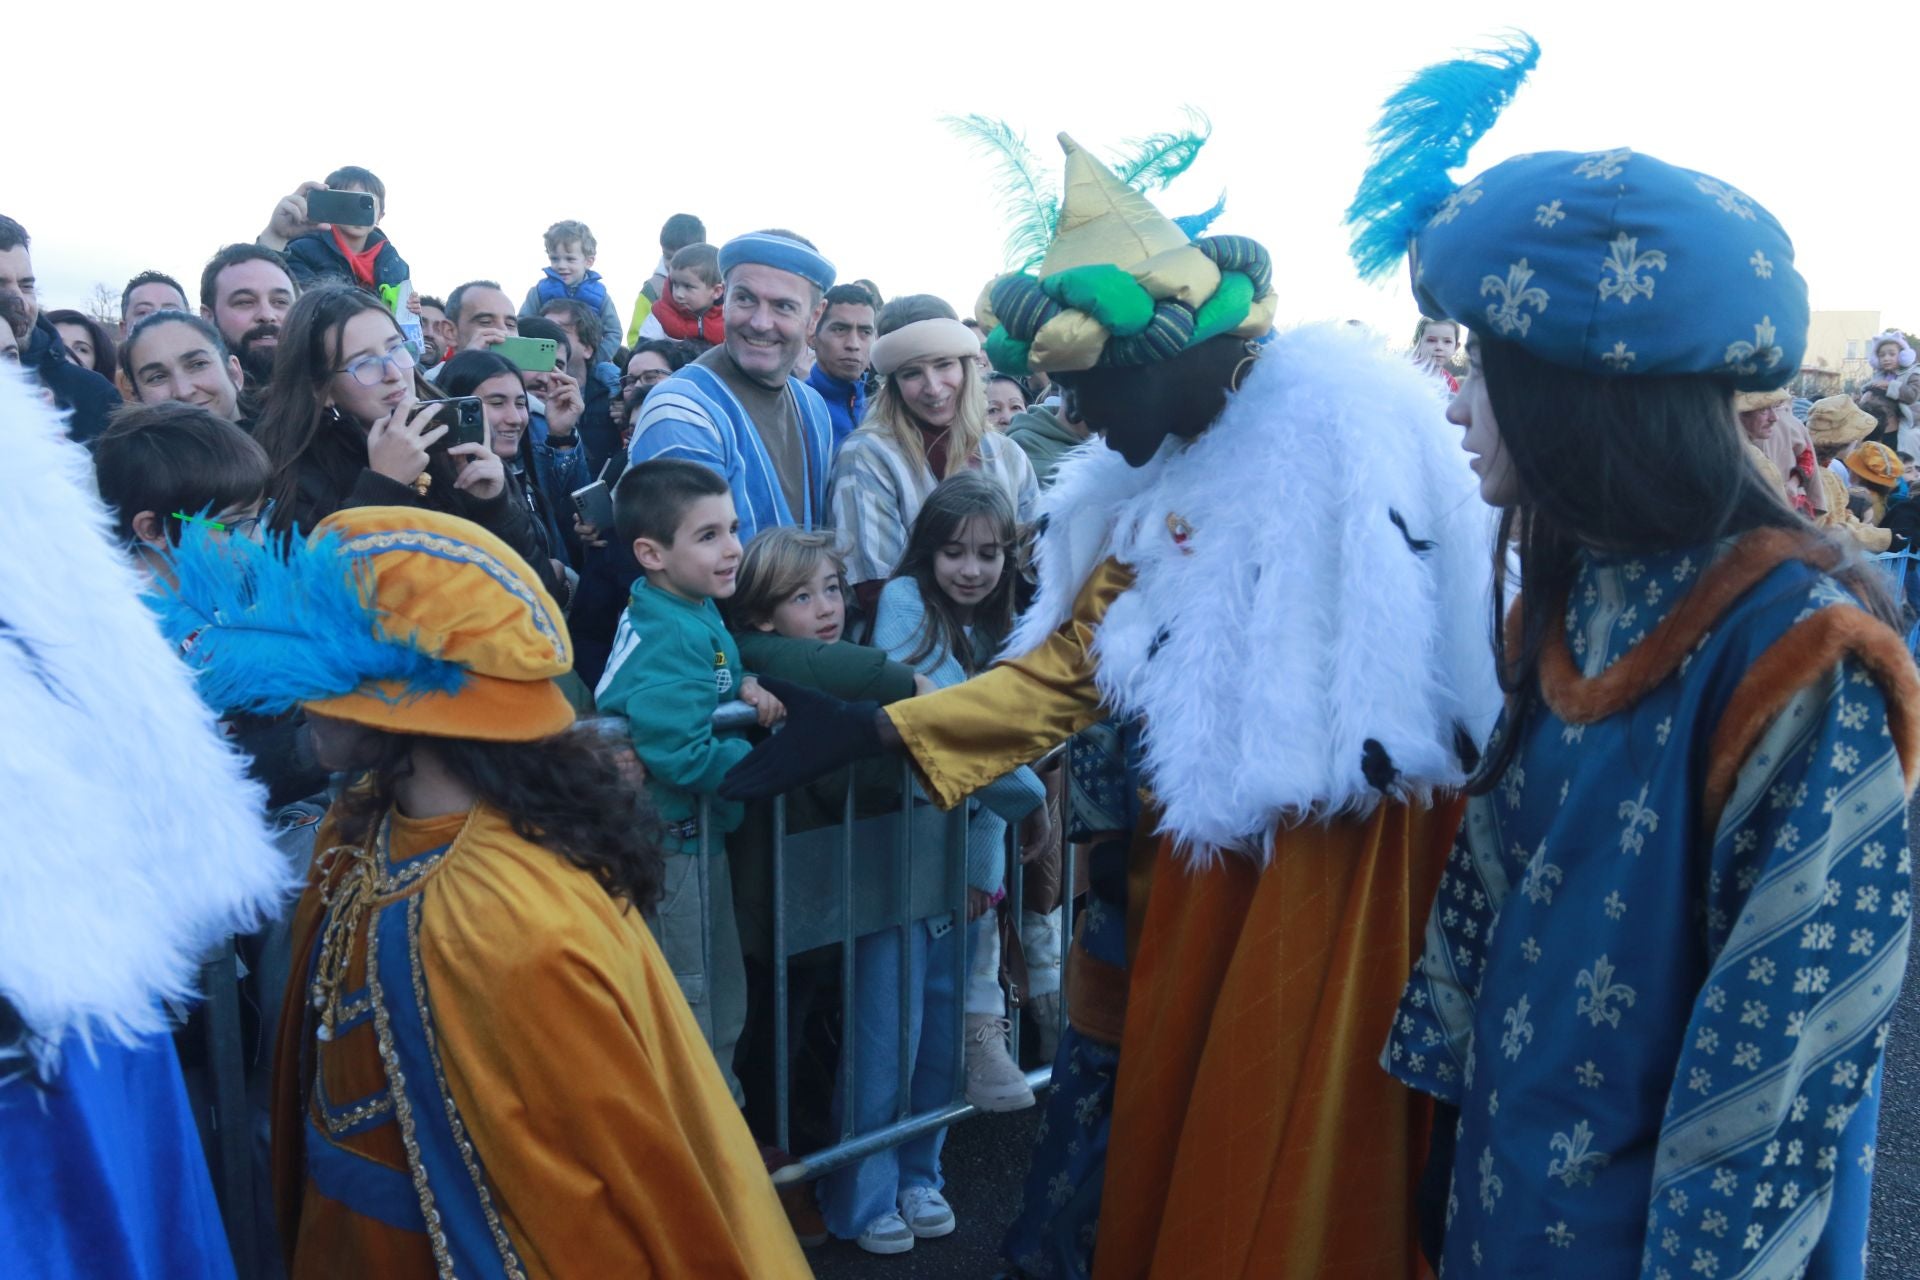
(964, 737)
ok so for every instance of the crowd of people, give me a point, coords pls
(522, 1016)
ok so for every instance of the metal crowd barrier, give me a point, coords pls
(834, 885)
(1897, 569)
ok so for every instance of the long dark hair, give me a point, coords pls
(565, 793)
(292, 419)
(1624, 465)
(953, 502)
(104, 355)
(467, 370)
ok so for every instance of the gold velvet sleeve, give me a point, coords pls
(964, 737)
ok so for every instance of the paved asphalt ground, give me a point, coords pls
(986, 1161)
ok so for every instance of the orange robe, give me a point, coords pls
(516, 1088)
(1254, 1133)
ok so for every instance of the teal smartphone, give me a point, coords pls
(529, 355)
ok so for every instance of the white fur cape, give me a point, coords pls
(134, 840)
(1300, 620)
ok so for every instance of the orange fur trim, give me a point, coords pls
(1579, 700)
(1796, 660)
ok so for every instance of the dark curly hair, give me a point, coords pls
(566, 793)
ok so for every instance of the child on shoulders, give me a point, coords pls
(569, 273)
(690, 309)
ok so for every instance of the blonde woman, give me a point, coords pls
(927, 421)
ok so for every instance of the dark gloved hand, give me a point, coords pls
(821, 734)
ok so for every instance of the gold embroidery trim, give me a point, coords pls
(508, 1258)
(403, 1108)
(466, 553)
(355, 1115)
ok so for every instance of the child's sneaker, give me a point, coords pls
(926, 1213)
(994, 1081)
(887, 1233)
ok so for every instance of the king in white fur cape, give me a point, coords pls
(1312, 576)
(135, 839)
(135, 844)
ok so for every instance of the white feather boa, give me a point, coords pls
(135, 840)
(1298, 622)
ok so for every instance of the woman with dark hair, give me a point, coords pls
(86, 339)
(488, 1068)
(1660, 970)
(540, 473)
(346, 422)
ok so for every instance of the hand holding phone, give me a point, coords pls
(465, 419)
(397, 444)
(342, 208)
(529, 355)
(595, 505)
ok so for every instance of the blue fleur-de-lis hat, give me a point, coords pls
(1609, 262)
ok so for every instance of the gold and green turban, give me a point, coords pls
(1122, 285)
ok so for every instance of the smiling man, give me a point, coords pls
(738, 409)
(247, 291)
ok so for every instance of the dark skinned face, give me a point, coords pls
(1138, 408)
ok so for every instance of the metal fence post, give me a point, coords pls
(782, 1049)
(904, 926)
(849, 981)
(232, 1130)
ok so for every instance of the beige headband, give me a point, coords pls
(921, 339)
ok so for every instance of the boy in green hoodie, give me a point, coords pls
(673, 665)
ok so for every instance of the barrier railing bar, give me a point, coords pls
(819, 1162)
(849, 996)
(232, 1132)
(781, 1048)
(903, 904)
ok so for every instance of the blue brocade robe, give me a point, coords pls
(1665, 1039)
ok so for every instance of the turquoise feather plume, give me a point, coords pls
(1030, 190)
(1426, 129)
(1196, 224)
(1151, 164)
(269, 626)
(1030, 193)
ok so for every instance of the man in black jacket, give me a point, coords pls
(86, 396)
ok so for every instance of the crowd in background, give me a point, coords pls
(747, 401)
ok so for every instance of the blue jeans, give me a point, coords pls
(853, 1196)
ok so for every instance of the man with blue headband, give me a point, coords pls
(738, 409)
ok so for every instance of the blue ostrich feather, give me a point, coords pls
(268, 626)
(1196, 224)
(1426, 129)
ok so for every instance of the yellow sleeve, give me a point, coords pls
(589, 1095)
(964, 737)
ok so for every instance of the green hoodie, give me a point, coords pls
(673, 663)
(1043, 438)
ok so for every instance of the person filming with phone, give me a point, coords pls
(347, 423)
(540, 473)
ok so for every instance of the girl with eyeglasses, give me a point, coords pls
(348, 422)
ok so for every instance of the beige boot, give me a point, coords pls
(994, 1081)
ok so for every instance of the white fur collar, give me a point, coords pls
(1281, 619)
(136, 841)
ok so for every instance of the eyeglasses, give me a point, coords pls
(652, 377)
(371, 371)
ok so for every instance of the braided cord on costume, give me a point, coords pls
(1131, 326)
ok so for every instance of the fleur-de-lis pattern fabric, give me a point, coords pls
(1618, 264)
(1665, 1042)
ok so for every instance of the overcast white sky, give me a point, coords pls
(148, 138)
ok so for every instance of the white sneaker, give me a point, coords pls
(926, 1212)
(887, 1233)
(994, 1081)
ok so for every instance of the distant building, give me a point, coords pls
(1837, 357)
